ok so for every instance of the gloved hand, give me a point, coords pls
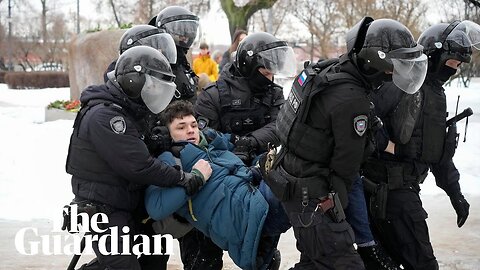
(461, 206)
(159, 140)
(192, 182)
(257, 175)
(245, 147)
(412, 149)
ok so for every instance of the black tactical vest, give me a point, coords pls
(185, 78)
(242, 114)
(433, 123)
(292, 129)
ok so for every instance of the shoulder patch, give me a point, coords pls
(360, 124)
(202, 122)
(118, 124)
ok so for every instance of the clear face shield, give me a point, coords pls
(183, 31)
(409, 67)
(461, 40)
(164, 43)
(280, 61)
(157, 93)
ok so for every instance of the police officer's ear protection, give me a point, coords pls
(131, 83)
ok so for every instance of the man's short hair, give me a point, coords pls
(176, 109)
(203, 45)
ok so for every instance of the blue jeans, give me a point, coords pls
(356, 213)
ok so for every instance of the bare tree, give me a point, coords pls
(44, 19)
(322, 20)
(271, 20)
(238, 16)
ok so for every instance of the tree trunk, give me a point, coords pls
(238, 16)
(112, 4)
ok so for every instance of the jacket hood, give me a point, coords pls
(111, 91)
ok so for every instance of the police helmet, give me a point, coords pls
(149, 36)
(180, 23)
(145, 74)
(264, 50)
(445, 41)
(387, 52)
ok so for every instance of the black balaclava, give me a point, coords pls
(444, 73)
(258, 82)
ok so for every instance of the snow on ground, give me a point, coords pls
(34, 184)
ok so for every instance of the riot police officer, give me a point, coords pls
(108, 160)
(414, 141)
(245, 102)
(182, 25)
(323, 127)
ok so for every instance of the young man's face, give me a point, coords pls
(184, 129)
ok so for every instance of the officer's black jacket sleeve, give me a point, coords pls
(349, 146)
(267, 133)
(126, 153)
(447, 177)
(208, 107)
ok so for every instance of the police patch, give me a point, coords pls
(118, 124)
(202, 123)
(360, 124)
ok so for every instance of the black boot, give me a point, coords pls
(275, 262)
(375, 258)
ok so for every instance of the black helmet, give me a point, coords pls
(264, 50)
(149, 36)
(389, 52)
(143, 72)
(180, 23)
(445, 41)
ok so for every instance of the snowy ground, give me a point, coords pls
(34, 185)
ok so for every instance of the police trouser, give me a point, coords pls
(198, 252)
(404, 232)
(119, 219)
(323, 243)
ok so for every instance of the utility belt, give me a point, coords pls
(380, 177)
(83, 206)
(396, 175)
(287, 187)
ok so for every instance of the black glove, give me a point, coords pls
(462, 207)
(192, 182)
(412, 149)
(159, 140)
(257, 175)
(245, 148)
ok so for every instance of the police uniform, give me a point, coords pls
(185, 78)
(322, 128)
(110, 164)
(230, 106)
(419, 126)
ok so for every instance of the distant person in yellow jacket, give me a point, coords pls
(205, 64)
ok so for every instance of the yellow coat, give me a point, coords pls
(205, 64)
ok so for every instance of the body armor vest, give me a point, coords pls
(83, 160)
(295, 135)
(242, 114)
(433, 124)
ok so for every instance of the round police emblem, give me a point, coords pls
(360, 124)
(118, 124)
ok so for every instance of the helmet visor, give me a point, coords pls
(279, 60)
(164, 43)
(157, 93)
(409, 74)
(183, 32)
(465, 34)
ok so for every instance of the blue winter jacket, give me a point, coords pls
(228, 209)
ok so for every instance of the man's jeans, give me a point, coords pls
(356, 213)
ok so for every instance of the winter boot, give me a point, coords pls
(375, 258)
(275, 262)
